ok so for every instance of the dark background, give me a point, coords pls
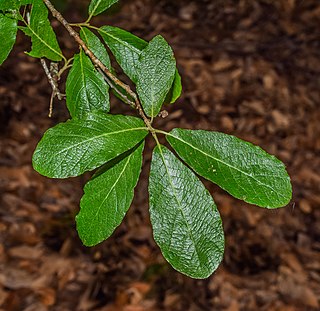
(249, 68)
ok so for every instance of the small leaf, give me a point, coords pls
(86, 89)
(44, 41)
(98, 6)
(185, 220)
(8, 32)
(155, 75)
(244, 170)
(95, 45)
(107, 198)
(125, 47)
(79, 145)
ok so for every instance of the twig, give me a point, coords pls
(65, 67)
(124, 97)
(98, 63)
(54, 85)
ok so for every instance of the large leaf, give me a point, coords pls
(155, 75)
(44, 41)
(107, 198)
(246, 171)
(80, 145)
(86, 89)
(125, 47)
(95, 45)
(185, 220)
(8, 32)
(98, 6)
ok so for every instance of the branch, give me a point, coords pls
(98, 63)
(54, 85)
(52, 80)
(123, 96)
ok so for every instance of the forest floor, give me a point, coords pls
(249, 68)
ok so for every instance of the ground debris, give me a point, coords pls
(249, 68)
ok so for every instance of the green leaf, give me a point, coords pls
(244, 170)
(176, 89)
(44, 41)
(107, 198)
(8, 5)
(23, 2)
(185, 220)
(8, 32)
(155, 75)
(80, 145)
(125, 47)
(98, 6)
(95, 45)
(86, 89)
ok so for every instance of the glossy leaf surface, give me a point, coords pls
(98, 6)
(125, 47)
(186, 223)
(86, 89)
(8, 32)
(44, 41)
(80, 145)
(155, 75)
(107, 198)
(244, 170)
(95, 45)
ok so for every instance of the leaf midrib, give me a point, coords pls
(40, 39)
(99, 136)
(179, 204)
(114, 185)
(126, 44)
(153, 85)
(83, 79)
(44, 42)
(95, 8)
(223, 162)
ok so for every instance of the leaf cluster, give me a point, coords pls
(185, 220)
